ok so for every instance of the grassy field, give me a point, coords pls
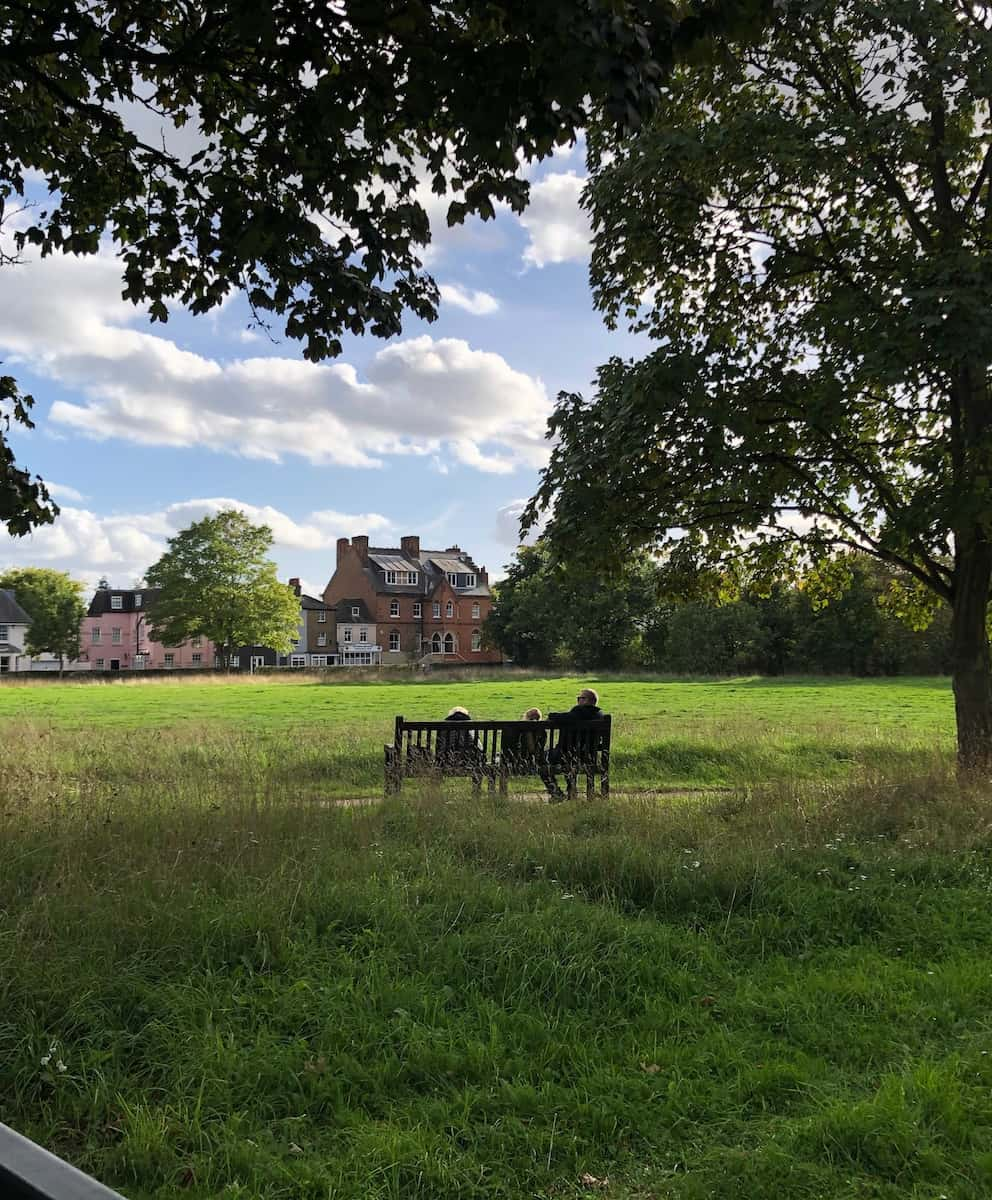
(216, 981)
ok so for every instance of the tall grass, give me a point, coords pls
(216, 979)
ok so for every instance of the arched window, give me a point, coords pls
(476, 640)
(436, 644)
(449, 609)
(449, 643)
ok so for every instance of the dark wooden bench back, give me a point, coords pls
(496, 750)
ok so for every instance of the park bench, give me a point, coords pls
(475, 749)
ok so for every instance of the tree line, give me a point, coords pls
(552, 615)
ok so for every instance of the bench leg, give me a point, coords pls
(590, 784)
(571, 780)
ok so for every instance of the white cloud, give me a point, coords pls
(507, 531)
(479, 304)
(90, 546)
(560, 231)
(64, 317)
(62, 491)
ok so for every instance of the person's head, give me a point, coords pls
(588, 696)
(458, 714)
(532, 714)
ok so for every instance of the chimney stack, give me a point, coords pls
(455, 549)
(343, 545)
(410, 546)
(361, 544)
(295, 585)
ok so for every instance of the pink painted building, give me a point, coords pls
(115, 636)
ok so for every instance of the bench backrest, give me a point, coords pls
(436, 741)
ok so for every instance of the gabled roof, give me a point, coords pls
(100, 603)
(344, 616)
(311, 602)
(11, 612)
(432, 566)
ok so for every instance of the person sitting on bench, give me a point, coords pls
(571, 742)
(459, 748)
(523, 752)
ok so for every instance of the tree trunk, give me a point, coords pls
(61, 665)
(970, 661)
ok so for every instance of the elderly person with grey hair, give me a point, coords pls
(586, 708)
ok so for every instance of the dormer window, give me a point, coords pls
(412, 577)
(117, 602)
(355, 613)
(470, 581)
(452, 579)
(137, 599)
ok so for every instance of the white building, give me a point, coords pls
(14, 622)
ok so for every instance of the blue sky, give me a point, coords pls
(143, 428)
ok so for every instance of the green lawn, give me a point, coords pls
(216, 981)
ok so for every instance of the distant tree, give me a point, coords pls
(319, 125)
(54, 602)
(804, 228)
(215, 581)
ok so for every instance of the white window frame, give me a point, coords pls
(452, 578)
(476, 611)
(321, 617)
(394, 608)
(437, 644)
(197, 642)
(137, 599)
(363, 634)
(318, 660)
(96, 636)
(449, 638)
(437, 610)
(138, 660)
(235, 660)
(412, 577)
(476, 641)
(355, 613)
(99, 664)
(297, 660)
(392, 577)
(117, 603)
(197, 660)
(169, 660)
(394, 637)
(347, 633)
(115, 636)
(321, 639)
(418, 609)
(449, 610)
(469, 581)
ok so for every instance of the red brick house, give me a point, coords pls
(411, 602)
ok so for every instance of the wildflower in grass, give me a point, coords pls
(47, 1058)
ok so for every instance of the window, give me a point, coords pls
(449, 609)
(452, 579)
(436, 644)
(117, 603)
(95, 635)
(197, 659)
(356, 613)
(197, 642)
(392, 576)
(437, 610)
(475, 611)
(476, 640)
(297, 660)
(294, 641)
(139, 661)
(417, 608)
(99, 664)
(4, 633)
(411, 577)
(321, 617)
(235, 660)
(170, 660)
(5, 665)
(216, 660)
(321, 639)
(449, 643)
(394, 642)
(318, 660)
(394, 608)
(347, 634)
(363, 634)
(137, 599)
(469, 581)
(115, 635)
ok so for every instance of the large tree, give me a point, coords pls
(317, 123)
(806, 231)
(215, 581)
(54, 602)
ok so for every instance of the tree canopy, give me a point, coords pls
(215, 581)
(805, 229)
(54, 602)
(316, 128)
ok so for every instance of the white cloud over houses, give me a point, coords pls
(63, 317)
(121, 548)
(507, 531)
(559, 229)
(478, 303)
